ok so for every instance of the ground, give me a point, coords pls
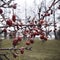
(49, 50)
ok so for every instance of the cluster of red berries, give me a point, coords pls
(15, 43)
(16, 40)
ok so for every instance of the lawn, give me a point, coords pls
(49, 50)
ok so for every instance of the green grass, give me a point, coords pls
(49, 50)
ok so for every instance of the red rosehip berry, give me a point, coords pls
(4, 30)
(41, 21)
(31, 41)
(47, 14)
(14, 18)
(41, 36)
(14, 6)
(15, 42)
(9, 22)
(45, 38)
(19, 38)
(22, 50)
(27, 42)
(1, 11)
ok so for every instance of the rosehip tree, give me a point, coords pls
(31, 30)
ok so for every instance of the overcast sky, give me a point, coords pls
(29, 5)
